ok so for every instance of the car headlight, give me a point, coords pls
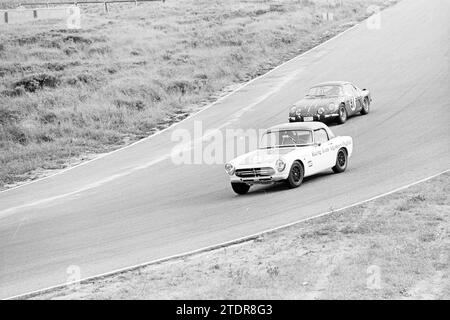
(320, 111)
(332, 107)
(280, 165)
(293, 109)
(229, 168)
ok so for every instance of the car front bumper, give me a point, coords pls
(261, 179)
(317, 117)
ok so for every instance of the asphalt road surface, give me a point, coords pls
(136, 205)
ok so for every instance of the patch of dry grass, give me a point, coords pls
(135, 70)
(378, 250)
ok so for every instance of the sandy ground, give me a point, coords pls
(395, 247)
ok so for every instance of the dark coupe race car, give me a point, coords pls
(335, 100)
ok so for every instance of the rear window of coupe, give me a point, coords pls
(327, 90)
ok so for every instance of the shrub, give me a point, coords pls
(55, 66)
(16, 134)
(84, 78)
(16, 92)
(76, 39)
(137, 105)
(70, 50)
(8, 116)
(48, 117)
(37, 81)
(100, 50)
(182, 86)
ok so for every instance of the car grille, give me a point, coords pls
(255, 172)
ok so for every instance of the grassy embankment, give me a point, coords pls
(395, 247)
(66, 95)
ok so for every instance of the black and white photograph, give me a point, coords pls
(223, 155)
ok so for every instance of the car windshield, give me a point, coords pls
(329, 90)
(286, 138)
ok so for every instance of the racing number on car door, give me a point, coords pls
(350, 97)
(358, 98)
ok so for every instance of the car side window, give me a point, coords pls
(320, 136)
(348, 90)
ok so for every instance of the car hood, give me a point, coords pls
(262, 156)
(311, 106)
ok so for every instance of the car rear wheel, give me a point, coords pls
(240, 188)
(296, 174)
(342, 115)
(341, 161)
(365, 108)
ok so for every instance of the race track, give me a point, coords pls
(135, 205)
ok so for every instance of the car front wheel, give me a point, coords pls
(341, 161)
(342, 115)
(296, 174)
(240, 188)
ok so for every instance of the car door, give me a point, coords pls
(350, 100)
(358, 98)
(322, 154)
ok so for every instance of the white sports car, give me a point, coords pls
(289, 152)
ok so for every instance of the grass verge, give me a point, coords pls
(68, 94)
(395, 247)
